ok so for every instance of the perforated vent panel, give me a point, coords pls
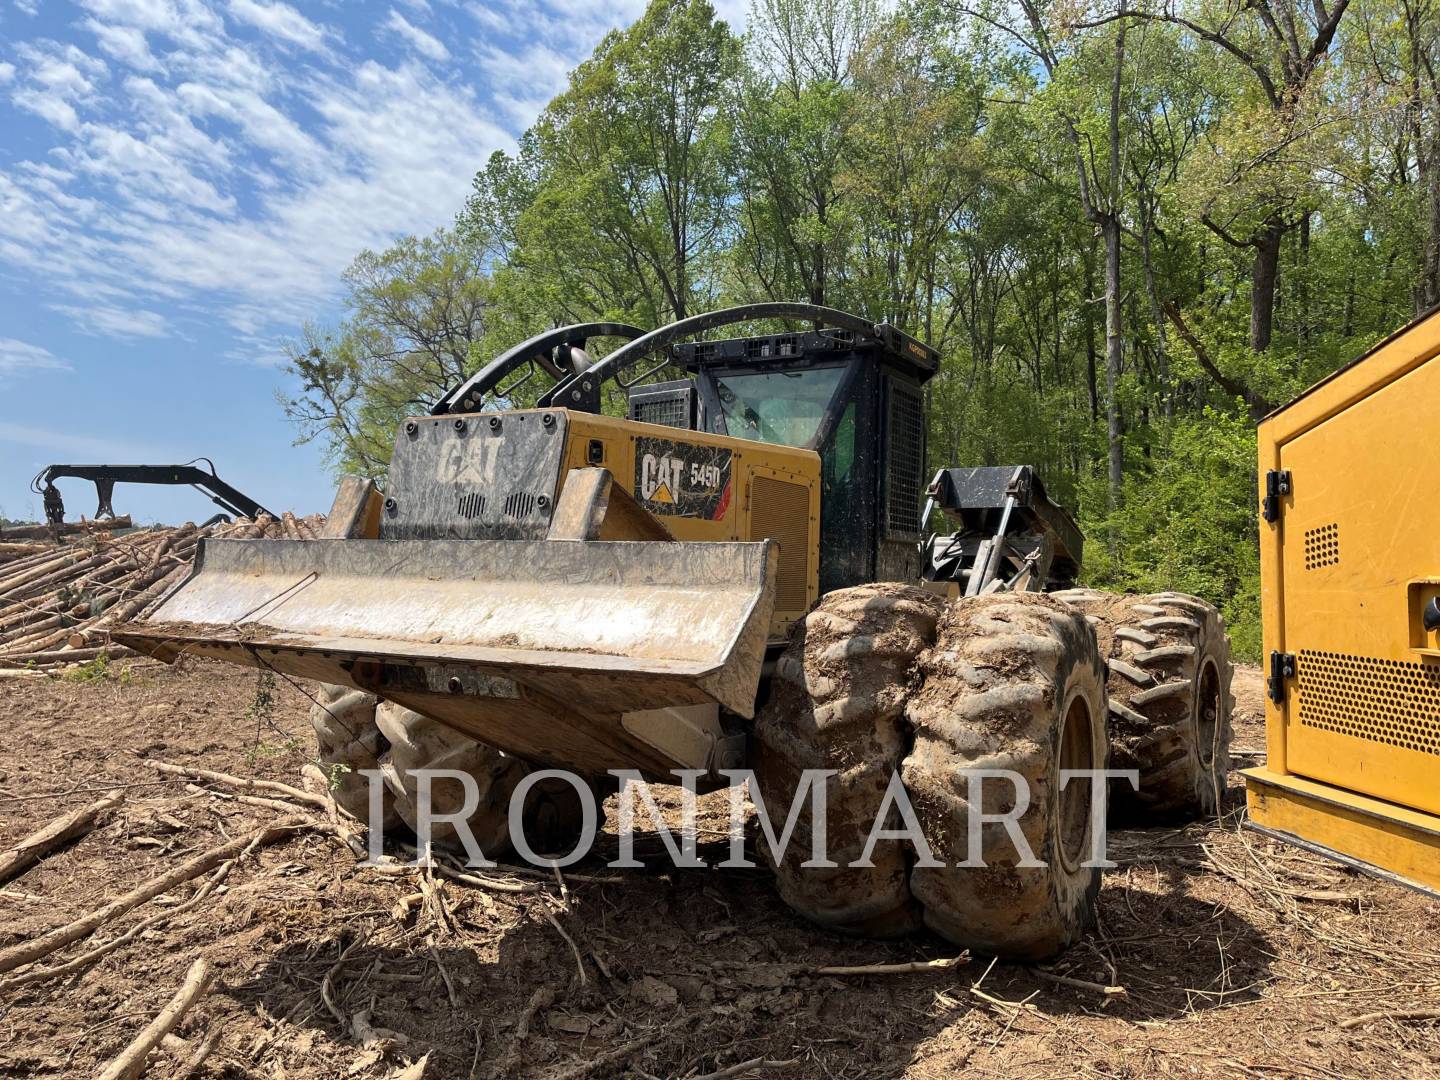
(1389, 701)
(780, 511)
(670, 404)
(906, 439)
(1322, 546)
(671, 411)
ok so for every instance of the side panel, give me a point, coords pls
(1359, 557)
(716, 487)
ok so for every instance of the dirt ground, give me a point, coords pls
(1236, 956)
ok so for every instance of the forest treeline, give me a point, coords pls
(1131, 230)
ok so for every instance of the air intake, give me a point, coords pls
(905, 457)
(780, 511)
(1395, 702)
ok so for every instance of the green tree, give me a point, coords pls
(415, 313)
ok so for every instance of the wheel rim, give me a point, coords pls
(1207, 714)
(1077, 751)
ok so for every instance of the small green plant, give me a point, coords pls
(262, 711)
(90, 671)
(96, 670)
(334, 773)
(259, 750)
(262, 702)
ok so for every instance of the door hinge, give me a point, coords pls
(1282, 668)
(1277, 486)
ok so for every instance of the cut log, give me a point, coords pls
(131, 1062)
(35, 948)
(69, 528)
(37, 845)
(66, 656)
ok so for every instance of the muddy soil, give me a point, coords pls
(1237, 957)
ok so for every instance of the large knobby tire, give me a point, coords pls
(837, 702)
(1013, 682)
(348, 742)
(1170, 701)
(357, 730)
(420, 743)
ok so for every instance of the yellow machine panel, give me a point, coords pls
(715, 487)
(1350, 558)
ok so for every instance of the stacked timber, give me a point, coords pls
(59, 596)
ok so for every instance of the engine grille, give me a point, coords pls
(780, 511)
(1395, 702)
(668, 411)
(671, 404)
(1322, 546)
(906, 438)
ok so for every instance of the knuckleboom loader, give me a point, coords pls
(739, 573)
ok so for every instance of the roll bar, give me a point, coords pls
(582, 390)
(540, 349)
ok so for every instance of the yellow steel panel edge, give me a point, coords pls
(1272, 598)
(1379, 834)
(1396, 356)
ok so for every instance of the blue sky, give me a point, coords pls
(181, 184)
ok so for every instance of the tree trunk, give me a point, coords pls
(1090, 364)
(1302, 318)
(1162, 355)
(1263, 278)
(1428, 293)
(1114, 343)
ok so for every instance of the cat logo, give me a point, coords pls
(682, 479)
(660, 476)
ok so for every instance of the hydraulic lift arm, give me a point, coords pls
(105, 477)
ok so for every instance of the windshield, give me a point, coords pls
(777, 406)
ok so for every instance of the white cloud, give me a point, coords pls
(281, 21)
(29, 7)
(7, 73)
(425, 44)
(186, 22)
(204, 177)
(239, 191)
(17, 356)
(104, 320)
(48, 106)
(126, 44)
(537, 70)
(56, 79)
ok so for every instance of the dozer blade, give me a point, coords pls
(543, 648)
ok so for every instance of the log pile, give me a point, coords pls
(59, 596)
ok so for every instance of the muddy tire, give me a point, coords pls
(348, 741)
(357, 730)
(1170, 701)
(1012, 682)
(837, 702)
(420, 743)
